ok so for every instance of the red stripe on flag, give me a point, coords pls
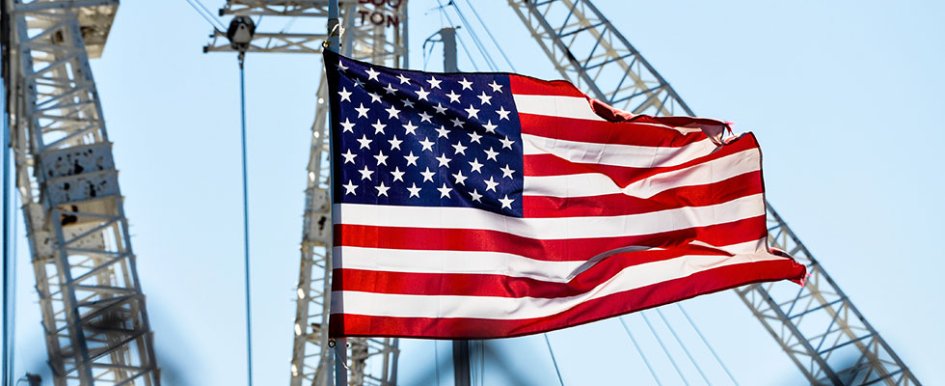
(592, 310)
(625, 133)
(621, 204)
(524, 85)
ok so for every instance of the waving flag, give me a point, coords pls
(481, 205)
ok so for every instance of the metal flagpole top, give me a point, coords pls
(333, 26)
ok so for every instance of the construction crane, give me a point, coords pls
(93, 311)
(371, 32)
(817, 326)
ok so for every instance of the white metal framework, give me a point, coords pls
(94, 316)
(371, 361)
(817, 325)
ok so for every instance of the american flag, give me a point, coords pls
(481, 205)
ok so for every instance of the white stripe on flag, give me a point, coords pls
(465, 262)
(616, 155)
(550, 228)
(505, 308)
(556, 106)
(595, 184)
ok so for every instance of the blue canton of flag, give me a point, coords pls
(409, 138)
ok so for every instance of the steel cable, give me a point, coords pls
(246, 276)
(436, 361)
(665, 350)
(553, 360)
(639, 350)
(681, 344)
(476, 40)
(709, 346)
(494, 40)
(208, 16)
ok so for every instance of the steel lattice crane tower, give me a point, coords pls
(94, 315)
(817, 326)
(371, 361)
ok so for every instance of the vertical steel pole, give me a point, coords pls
(448, 35)
(341, 371)
(7, 363)
(4, 40)
(341, 362)
(405, 59)
(333, 26)
(461, 362)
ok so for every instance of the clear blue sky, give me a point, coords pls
(844, 96)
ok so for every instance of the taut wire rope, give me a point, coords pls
(709, 346)
(554, 360)
(681, 344)
(206, 14)
(246, 276)
(665, 350)
(436, 361)
(472, 32)
(494, 41)
(639, 350)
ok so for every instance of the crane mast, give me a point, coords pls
(93, 311)
(817, 325)
(373, 32)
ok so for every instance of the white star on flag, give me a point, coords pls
(382, 189)
(372, 74)
(427, 175)
(349, 188)
(444, 191)
(347, 126)
(414, 190)
(366, 173)
(345, 94)
(362, 111)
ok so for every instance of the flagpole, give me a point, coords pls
(461, 362)
(340, 349)
(332, 25)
